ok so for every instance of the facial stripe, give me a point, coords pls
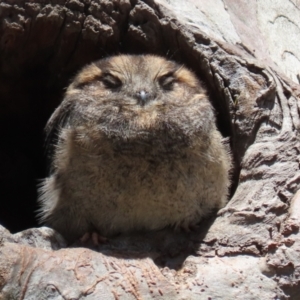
(88, 74)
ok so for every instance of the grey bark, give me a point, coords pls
(251, 248)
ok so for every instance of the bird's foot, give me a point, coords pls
(95, 237)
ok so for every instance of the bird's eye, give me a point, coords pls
(111, 81)
(166, 81)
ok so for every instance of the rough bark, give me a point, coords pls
(251, 248)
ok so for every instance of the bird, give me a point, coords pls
(135, 147)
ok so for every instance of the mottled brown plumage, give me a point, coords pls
(136, 148)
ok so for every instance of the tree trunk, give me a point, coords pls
(251, 248)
